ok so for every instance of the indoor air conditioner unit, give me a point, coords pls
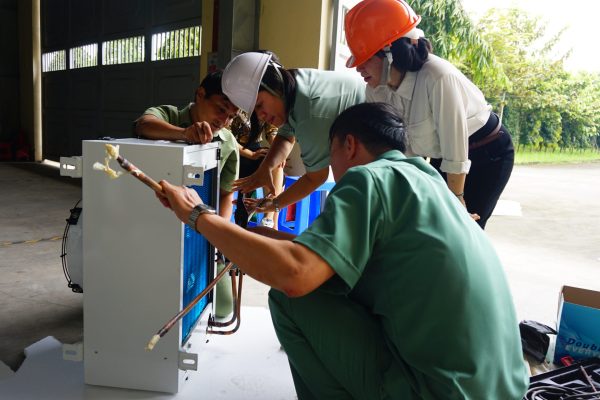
(141, 265)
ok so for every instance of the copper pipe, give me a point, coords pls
(212, 322)
(237, 298)
(166, 327)
(138, 173)
(237, 312)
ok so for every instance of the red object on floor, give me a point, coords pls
(290, 215)
(566, 361)
(22, 152)
(16, 149)
(5, 151)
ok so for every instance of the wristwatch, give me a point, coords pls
(275, 202)
(198, 211)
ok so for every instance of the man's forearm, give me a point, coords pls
(225, 204)
(157, 129)
(307, 184)
(271, 233)
(291, 268)
(278, 153)
(282, 264)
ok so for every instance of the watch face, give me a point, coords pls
(205, 209)
(197, 211)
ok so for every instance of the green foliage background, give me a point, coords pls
(507, 54)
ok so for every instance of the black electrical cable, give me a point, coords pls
(73, 286)
(556, 392)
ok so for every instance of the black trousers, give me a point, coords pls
(491, 166)
(247, 168)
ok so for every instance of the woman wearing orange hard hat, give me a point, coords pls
(447, 116)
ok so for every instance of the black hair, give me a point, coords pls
(274, 56)
(282, 82)
(408, 56)
(378, 126)
(212, 84)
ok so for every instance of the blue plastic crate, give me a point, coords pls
(307, 209)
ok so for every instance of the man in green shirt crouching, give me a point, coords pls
(393, 292)
(202, 121)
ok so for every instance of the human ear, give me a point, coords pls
(200, 93)
(350, 145)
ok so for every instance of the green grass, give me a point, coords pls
(528, 156)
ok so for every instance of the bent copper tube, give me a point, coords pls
(236, 312)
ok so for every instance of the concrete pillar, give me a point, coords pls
(36, 65)
(30, 72)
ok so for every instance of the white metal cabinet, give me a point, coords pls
(134, 266)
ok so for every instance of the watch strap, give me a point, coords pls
(198, 211)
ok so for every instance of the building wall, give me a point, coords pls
(105, 97)
(298, 32)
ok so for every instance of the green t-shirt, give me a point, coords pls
(403, 247)
(320, 97)
(230, 157)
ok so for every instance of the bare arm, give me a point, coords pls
(151, 127)
(262, 176)
(456, 184)
(252, 155)
(292, 268)
(278, 152)
(225, 204)
(307, 184)
(272, 233)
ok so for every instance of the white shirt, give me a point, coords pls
(441, 108)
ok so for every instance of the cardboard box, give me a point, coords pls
(578, 324)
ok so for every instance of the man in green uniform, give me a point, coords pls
(202, 121)
(393, 292)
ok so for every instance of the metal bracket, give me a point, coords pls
(72, 352)
(71, 166)
(193, 175)
(188, 361)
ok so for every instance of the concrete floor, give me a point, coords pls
(556, 241)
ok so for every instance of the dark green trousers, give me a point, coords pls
(335, 348)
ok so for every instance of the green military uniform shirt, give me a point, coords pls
(403, 247)
(320, 97)
(230, 157)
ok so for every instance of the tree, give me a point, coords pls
(581, 117)
(546, 106)
(176, 44)
(455, 38)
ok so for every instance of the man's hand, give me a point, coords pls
(260, 153)
(198, 132)
(180, 199)
(259, 205)
(262, 177)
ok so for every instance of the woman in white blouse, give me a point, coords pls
(446, 115)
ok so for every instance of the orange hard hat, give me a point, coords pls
(373, 24)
